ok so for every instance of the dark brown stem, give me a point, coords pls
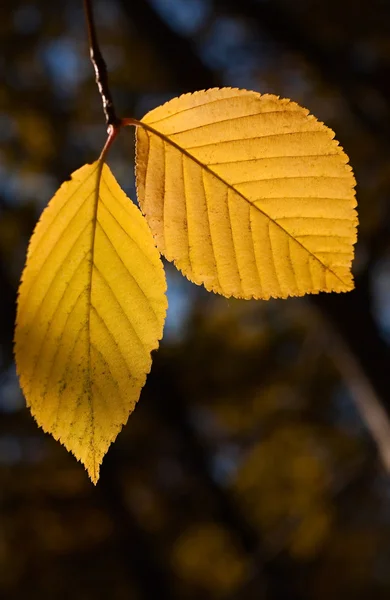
(100, 68)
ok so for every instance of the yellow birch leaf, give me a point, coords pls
(91, 308)
(248, 194)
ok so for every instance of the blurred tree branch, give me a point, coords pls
(352, 317)
(367, 403)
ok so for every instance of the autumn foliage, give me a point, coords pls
(247, 194)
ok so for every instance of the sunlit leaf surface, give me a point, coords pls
(91, 309)
(248, 194)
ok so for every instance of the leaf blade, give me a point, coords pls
(91, 309)
(245, 148)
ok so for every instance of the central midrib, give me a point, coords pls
(89, 304)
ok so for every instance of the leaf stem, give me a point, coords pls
(128, 122)
(100, 68)
(112, 131)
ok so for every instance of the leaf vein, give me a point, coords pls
(51, 320)
(254, 249)
(209, 226)
(237, 118)
(193, 107)
(233, 243)
(186, 212)
(36, 278)
(59, 343)
(100, 318)
(66, 366)
(273, 257)
(206, 168)
(57, 272)
(320, 177)
(119, 306)
(128, 273)
(292, 265)
(66, 203)
(121, 226)
(281, 157)
(249, 139)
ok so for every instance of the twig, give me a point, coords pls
(100, 68)
(368, 404)
(367, 401)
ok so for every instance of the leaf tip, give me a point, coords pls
(94, 475)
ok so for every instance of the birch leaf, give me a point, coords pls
(247, 194)
(91, 308)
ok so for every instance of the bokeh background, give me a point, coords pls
(256, 464)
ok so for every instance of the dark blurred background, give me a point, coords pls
(256, 464)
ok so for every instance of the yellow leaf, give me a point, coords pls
(91, 308)
(247, 194)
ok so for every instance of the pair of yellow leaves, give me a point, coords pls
(248, 194)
